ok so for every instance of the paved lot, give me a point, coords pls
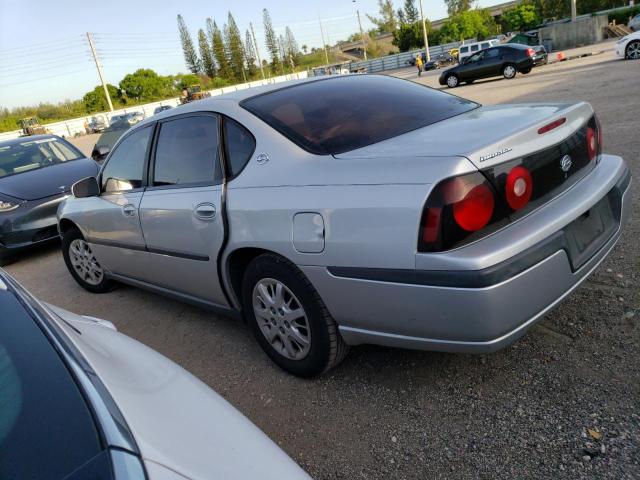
(564, 402)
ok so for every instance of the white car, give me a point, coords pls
(629, 46)
(79, 400)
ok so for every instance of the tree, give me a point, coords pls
(521, 17)
(402, 19)
(235, 49)
(208, 64)
(95, 100)
(409, 36)
(218, 48)
(410, 11)
(182, 81)
(291, 46)
(271, 40)
(387, 22)
(250, 54)
(305, 49)
(458, 6)
(190, 56)
(145, 84)
(472, 23)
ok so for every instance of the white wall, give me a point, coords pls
(69, 128)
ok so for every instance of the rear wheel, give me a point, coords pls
(633, 50)
(509, 71)
(525, 71)
(452, 81)
(82, 263)
(289, 319)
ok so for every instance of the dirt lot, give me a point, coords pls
(563, 402)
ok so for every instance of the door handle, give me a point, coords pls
(205, 211)
(129, 210)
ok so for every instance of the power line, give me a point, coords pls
(43, 78)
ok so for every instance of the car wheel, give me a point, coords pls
(452, 81)
(289, 319)
(82, 263)
(525, 71)
(509, 71)
(632, 51)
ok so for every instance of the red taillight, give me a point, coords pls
(475, 210)
(518, 187)
(531, 52)
(455, 208)
(552, 125)
(592, 143)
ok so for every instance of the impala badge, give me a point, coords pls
(495, 154)
(565, 163)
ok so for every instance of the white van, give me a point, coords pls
(470, 48)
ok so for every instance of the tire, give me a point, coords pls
(525, 71)
(82, 264)
(270, 326)
(6, 259)
(632, 52)
(452, 81)
(509, 71)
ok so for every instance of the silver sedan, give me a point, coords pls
(360, 209)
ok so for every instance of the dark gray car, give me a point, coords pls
(36, 174)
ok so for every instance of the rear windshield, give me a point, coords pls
(332, 116)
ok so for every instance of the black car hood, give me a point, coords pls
(47, 181)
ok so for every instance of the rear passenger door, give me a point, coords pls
(492, 62)
(181, 209)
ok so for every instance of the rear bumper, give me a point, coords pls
(454, 318)
(32, 223)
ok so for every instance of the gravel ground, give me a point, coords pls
(563, 402)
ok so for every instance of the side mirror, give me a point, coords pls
(87, 187)
(100, 152)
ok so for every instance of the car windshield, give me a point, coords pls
(328, 117)
(28, 155)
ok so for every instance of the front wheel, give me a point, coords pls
(633, 50)
(82, 263)
(452, 81)
(289, 319)
(509, 71)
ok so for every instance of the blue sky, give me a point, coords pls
(44, 54)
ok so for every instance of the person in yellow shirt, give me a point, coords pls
(419, 64)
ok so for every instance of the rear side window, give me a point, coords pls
(492, 53)
(474, 48)
(46, 428)
(485, 45)
(464, 49)
(239, 145)
(328, 117)
(124, 169)
(188, 152)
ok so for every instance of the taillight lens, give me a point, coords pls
(592, 143)
(518, 187)
(456, 209)
(531, 52)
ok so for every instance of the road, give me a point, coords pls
(563, 402)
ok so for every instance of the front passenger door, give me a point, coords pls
(181, 210)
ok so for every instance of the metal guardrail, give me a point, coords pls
(395, 61)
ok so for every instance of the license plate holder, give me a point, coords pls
(589, 232)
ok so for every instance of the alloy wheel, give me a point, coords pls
(452, 81)
(281, 318)
(509, 71)
(633, 50)
(84, 262)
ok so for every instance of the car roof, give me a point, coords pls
(28, 138)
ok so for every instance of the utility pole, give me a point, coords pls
(255, 44)
(573, 10)
(424, 32)
(364, 43)
(99, 67)
(326, 55)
